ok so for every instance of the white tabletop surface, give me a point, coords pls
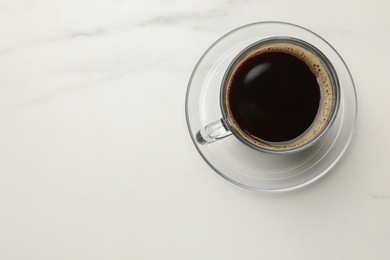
(96, 161)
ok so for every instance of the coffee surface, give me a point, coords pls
(274, 96)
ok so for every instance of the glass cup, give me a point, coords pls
(328, 84)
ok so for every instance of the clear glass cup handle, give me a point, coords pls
(212, 132)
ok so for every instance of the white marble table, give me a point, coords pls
(96, 161)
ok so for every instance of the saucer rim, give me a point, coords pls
(305, 183)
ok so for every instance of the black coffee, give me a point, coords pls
(274, 96)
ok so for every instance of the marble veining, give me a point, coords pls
(95, 157)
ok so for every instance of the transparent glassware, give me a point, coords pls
(243, 165)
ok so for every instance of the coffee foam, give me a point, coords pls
(327, 106)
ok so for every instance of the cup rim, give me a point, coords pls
(280, 39)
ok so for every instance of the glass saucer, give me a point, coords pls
(241, 164)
